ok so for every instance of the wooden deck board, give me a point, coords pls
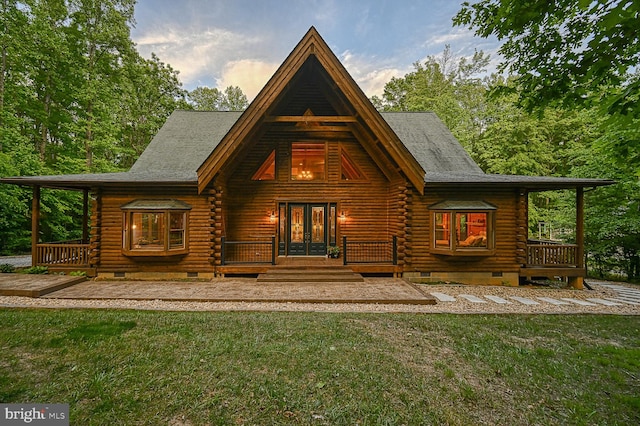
(372, 290)
(35, 285)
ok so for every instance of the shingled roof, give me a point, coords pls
(431, 143)
(185, 140)
(189, 137)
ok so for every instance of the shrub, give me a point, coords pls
(7, 268)
(333, 251)
(37, 270)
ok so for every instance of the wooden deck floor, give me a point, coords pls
(371, 290)
(35, 285)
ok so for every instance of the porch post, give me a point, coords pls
(85, 216)
(578, 282)
(35, 224)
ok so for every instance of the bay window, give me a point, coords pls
(464, 228)
(155, 228)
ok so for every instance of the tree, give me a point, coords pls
(445, 85)
(75, 96)
(578, 52)
(212, 99)
(101, 44)
(612, 227)
(205, 98)
(151, 91)
(234, 99)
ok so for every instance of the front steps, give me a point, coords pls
(326, 274)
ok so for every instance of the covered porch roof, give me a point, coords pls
(532, 183)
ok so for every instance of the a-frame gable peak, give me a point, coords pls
(258, 111)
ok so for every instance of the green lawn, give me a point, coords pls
(195, 368)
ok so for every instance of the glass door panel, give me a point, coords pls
(307, 231)
(317, 224)
(318, 227)
(297, 229)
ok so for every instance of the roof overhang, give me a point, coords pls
(489, 181)
(462, 205)
(160, 204)
(103, 180)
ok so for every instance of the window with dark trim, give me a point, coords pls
(464, 228)
(308, 160)
(155, 228)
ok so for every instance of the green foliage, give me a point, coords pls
(7, 268)
(579, 54)
(36, 270)
(446, 85)
(75, 97)
(613, 213)
(574, 51)
(14, 211)
(212, 99)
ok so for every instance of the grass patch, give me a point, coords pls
(197, 368)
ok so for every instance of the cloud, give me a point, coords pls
(248, 74)
(459, 35)
(370, 73)
(201, 57)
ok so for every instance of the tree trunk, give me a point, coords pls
(3, 66)
(88, 136)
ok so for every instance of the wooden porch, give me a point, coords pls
(309, 262)
(65, 256)
(258, 257)
(549, 259)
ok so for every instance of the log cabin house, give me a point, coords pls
(309, 165)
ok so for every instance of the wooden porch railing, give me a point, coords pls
(370, 251)
(62, 254)
(236, 252)
(552, 255)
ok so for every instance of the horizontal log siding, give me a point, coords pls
(508, 235)
(247, 204)
(199, 242)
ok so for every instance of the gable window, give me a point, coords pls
(308, 161)
(349, 171)
(464, 228)
(268, 169)
(155, 228)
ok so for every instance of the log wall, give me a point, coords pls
(370, 205)
(107, 244)
(510, 234)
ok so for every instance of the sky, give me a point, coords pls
(221, 43)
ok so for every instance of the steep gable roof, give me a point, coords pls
(368, 119)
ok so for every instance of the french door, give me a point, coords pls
(307, 229)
